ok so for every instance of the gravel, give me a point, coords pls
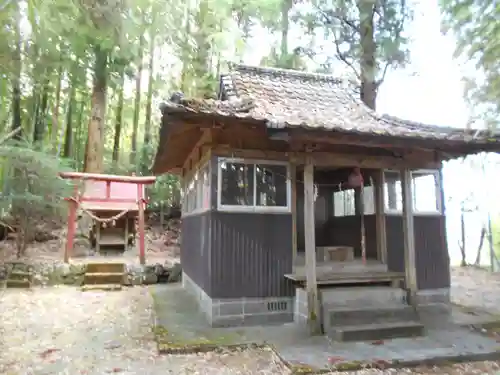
(475, 287)
(62, 330)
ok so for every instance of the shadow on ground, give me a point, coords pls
(181, 328)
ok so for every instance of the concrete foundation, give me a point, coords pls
(431, 302)
(241, 311)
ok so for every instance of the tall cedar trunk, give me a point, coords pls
(368, 53)
(118, 119)
(185, 54)
(94, 152)
(79, 134)
(137, 105)
(40, 123)
(149, 99)
(16, 76)
(57, 103)
(202, 57)
(68, 137)
(285, 27)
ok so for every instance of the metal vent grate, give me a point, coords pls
(277, 306)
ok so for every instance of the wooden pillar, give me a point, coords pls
(126, 232)
(142, 240)
(97, 236)
(409, 237)
(293, 182)
(380, 216)
(72, 217)
(310, 244)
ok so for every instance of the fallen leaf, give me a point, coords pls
(335, 359)
(378, 342)
(381, 364)
(48, 352)
(116, 369)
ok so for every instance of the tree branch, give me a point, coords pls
(5, 4)
(343, 57)
(384, 72)
(9, 135)
(327, 17)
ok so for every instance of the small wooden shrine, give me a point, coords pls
(293, 187)
(114, 204)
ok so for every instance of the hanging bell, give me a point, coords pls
(104, 225)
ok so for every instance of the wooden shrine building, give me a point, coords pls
(293, 187)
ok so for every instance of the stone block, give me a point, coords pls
(227, 321)
(432, 296)
(266, 319)
(231, 308)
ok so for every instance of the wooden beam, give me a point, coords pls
(409, 237)
(328, 159)
(293, 182)
(313, 318)
(193, 157)
(380, 216)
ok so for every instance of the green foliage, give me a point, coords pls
(57, 41)
(340, 21)
(476, 25)
(32, 192)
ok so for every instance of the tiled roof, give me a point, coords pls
(286, 98)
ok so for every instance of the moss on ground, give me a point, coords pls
(169, 342)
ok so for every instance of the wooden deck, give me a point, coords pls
(352, 272)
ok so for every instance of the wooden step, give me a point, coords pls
(112, 239)
(103, 287)
(105, 267)
(377, 331)
(103, 278)
(18, 283)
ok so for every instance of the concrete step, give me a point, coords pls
(103, 287)
(105, 267)
(361, 296)
(352, 315)
(377, 331)
(103, 278)
(18, 283)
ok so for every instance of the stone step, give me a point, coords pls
(352, 315)
(377, 331)
(20, 275)
(361, 296)
(18, 283)
(101, 287)
(106, 267)
(103, 278)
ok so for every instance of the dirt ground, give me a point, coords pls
(162, 246)
(62, 330)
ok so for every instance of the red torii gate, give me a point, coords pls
(109, 193)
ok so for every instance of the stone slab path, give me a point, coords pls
(176, 313)
(62, 330)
